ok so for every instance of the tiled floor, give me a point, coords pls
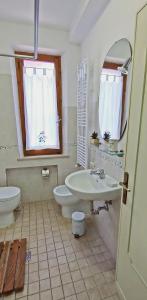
(60, 266)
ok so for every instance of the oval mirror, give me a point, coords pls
(113, 96)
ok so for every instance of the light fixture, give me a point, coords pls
(124, 69)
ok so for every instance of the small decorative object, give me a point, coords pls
(112, 145)
(94, 138)
(106, 136)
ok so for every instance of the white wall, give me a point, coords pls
(14, 36)
(118, 21)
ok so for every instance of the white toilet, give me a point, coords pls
(66, 199)
(9, 200)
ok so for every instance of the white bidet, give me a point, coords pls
(68, 202)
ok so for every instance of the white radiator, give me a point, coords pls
(82, 116)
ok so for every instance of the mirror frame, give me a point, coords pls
(126, 121)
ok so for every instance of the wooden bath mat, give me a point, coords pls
(12, 265)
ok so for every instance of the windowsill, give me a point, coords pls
(43, 157)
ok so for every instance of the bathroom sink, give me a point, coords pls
(90, 187)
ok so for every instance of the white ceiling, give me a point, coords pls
(58, 13)
(76, 16)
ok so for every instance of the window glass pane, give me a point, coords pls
(41, 116)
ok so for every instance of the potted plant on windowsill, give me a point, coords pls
(106, 138)
(94, 138)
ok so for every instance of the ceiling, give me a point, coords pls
(76, 16)
(58, 13)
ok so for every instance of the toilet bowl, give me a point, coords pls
(9, 200)
(66, 199)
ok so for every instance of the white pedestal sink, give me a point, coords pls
(90, 187)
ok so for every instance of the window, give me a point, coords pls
(39, 90)
(111, 103)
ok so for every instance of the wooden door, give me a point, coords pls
(132, 251)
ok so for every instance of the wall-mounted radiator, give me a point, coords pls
(82, 116)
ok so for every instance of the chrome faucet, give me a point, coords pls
(99, 172)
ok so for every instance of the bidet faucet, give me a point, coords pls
(99, 172)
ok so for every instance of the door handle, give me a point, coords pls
(124, 185)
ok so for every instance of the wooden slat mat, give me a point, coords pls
(12, 265)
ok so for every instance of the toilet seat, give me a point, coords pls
(8, 193)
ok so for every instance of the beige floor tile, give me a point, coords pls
(33, 297)
(51, 254)
(82, 262)
(68, 289)
(94, 294)
(53, 262)
(43, 265)
(109, 276)
(42, 256)
(83, 296)
(57, 293)
(76, 275)
(89, 283)
(79, 254)
(50, 247)
(64, 268)
(62, 260)
(83, 267)
(33, 288)
(94, 269)
(33, 277)
(73, 297)
(45, 284)
(69, 250)
(66, 278)
(46, 295)
(99, 279)
(60, 252)
(33, 267)
(34, 259)
(86, 272)
(43, 274)
(34, 251)
(79, 286)
(107, 290)
(73, 265)
(58, 245)
(55, 281)
(115, 297)
(54, 271)
(71, 257)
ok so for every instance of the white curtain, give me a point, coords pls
(110, 103)
(41, 116)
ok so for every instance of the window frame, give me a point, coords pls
(56, 59)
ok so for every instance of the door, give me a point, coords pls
(132, 249)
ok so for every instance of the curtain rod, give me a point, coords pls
(36, 25)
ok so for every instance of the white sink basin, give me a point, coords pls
(90, 187)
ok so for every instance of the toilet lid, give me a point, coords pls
(8, 192)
